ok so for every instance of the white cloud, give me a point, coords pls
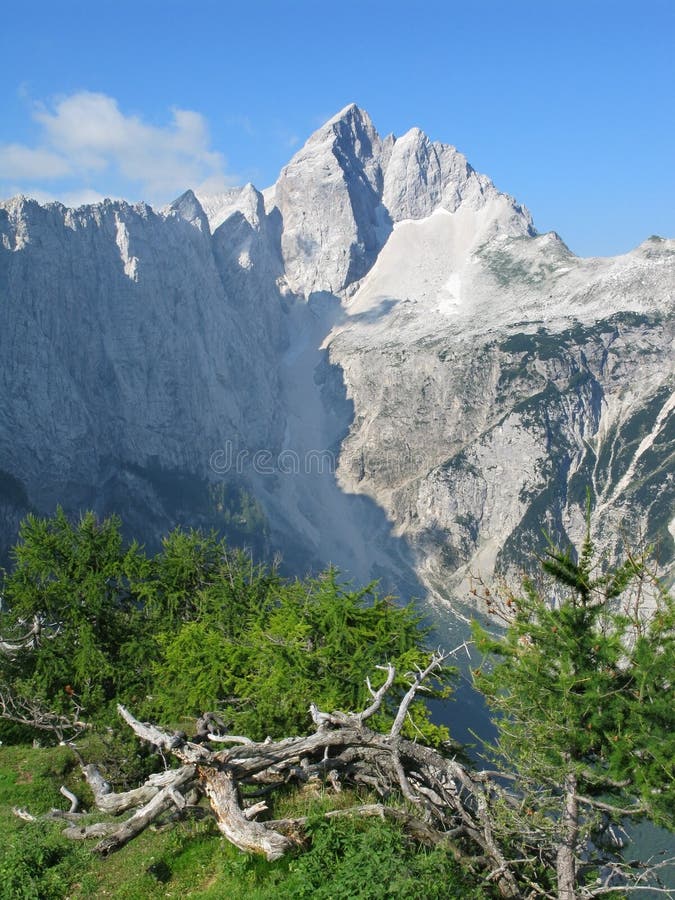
(215, 184)
(19, 162)
(89, 141)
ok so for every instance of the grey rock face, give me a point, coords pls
(126, 350)
(481, 422)
(383, 306)
(421, 176)
(341, 193)
(338, 169)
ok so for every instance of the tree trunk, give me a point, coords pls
(566, 856)
(252, 837)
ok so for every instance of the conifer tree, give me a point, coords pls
(580, 682)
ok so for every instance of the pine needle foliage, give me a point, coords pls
(580, 684)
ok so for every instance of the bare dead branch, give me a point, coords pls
(636, 810)
(228, 739)
(176, 742)
(437, 660)
(341, 719)
(28, 641)
(109, 802)
(23, 814)
(136, 823)
(84, 832)
(31, 712)
(69, 795)
(416, 828)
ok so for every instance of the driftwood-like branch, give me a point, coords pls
(74, 800)
(153, 735)
(356, 719)
(109, 802)
(436, 662)
(100, 788)
(637, 810)
(22, 813)
(136, 823)
(85, 832)
(28, 641)
(422, 832)
(615, 880)
(209, 727)
(228, 739)
(29, 711)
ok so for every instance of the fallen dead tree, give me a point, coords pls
(435, 797)
(440, 800)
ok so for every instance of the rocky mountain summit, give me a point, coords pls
(376, 362)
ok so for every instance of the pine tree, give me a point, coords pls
(580, 683)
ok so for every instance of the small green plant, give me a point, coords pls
(351, 857)
(37, 863)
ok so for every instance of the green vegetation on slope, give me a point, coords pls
(580, 686)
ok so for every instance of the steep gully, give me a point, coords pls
(308, 509)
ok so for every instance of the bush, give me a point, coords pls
(352, 857)
(40, 865)
(196, 628)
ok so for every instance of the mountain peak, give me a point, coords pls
(352, 125)
(188, 207)
(349, 112)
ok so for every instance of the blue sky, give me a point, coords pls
(567, 105)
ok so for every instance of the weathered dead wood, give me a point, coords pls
(136, 823)
(205, 731)
(22, 813)
(113, 803)
(369, 757)
(356, 719)
(446, 803)
(31, 712)
(161, 739)
(52, 814)
(228, 739)
(414, 826)
(28, 641)
(84, 832)
(99, 786)
(69, 795)
(437, 660)
(255, 809)
(445, 798)
(246, 834)
(443, 790)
